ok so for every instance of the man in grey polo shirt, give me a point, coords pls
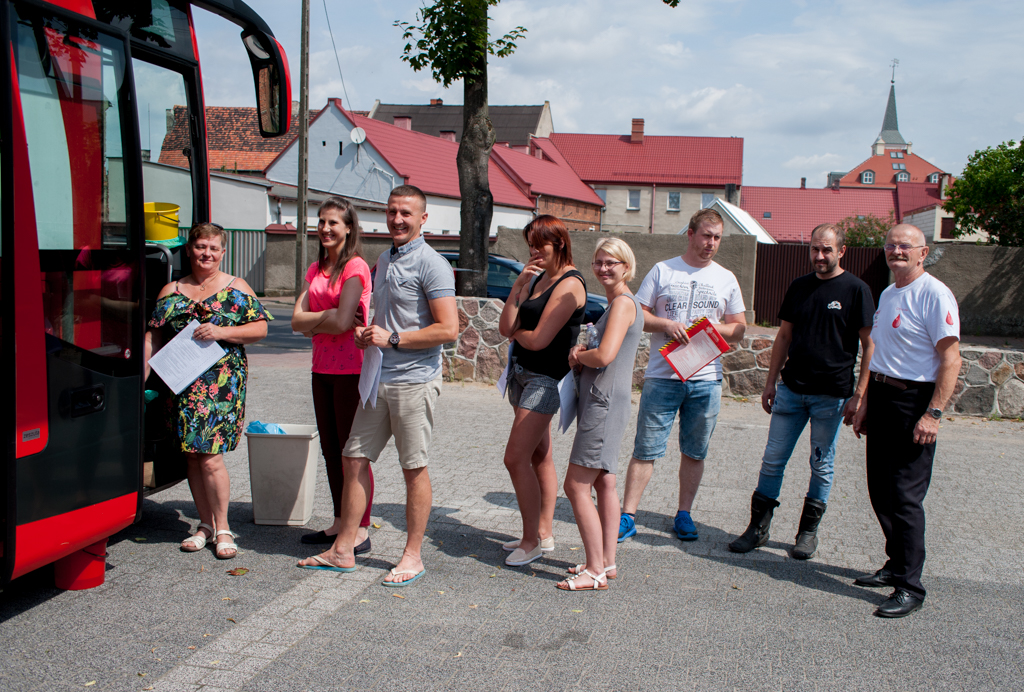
(414, 314)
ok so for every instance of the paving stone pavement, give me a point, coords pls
(680, 615)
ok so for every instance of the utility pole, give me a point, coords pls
(302, 198)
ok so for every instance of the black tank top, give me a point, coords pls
(553, 359)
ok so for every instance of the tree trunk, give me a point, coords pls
(477, 203)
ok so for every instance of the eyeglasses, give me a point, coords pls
(610, 264)
(889, 247)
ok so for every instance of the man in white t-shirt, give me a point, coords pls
(914, 369)
(675, 294)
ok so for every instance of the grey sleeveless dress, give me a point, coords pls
(605, 399)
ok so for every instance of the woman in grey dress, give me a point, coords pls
(605, 364)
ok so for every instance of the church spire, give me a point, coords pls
(890, 133)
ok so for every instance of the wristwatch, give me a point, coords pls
(936, 413)
(394, 340)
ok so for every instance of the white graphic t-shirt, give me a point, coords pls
(908, 323)
(675, 290)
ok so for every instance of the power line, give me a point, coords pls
(343, 89)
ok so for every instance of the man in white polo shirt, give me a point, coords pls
(914, 369)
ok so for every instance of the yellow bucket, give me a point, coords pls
(161, 220)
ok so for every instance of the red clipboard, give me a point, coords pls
(705, 345)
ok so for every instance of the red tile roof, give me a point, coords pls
(913, 196)
(429, 162)
(885, 175)
(796, 211)
(233, 139)
(545, 176)
(614, 160)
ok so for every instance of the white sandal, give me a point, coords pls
(197, 541)
(579, 569)
(225, 546)
(596, 585)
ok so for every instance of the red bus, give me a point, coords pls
(77, 275)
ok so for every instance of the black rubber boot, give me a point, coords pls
(807, 534)
(756, 535)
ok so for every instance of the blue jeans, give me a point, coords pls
(790, 413)
(697, 404)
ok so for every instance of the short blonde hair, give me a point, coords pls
(205, 229)
(617, 248)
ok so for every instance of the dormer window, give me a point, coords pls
(867, 178)
(902, 177)
(895, 154)
(933, 178)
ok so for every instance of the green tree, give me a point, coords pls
(989, 195)
(452, 40)
(866, 230)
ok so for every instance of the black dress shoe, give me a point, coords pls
(900, 604)
(317, 538)
(882, 577)
(363, 547)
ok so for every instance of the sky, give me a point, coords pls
(804, 83)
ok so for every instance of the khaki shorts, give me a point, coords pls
(405, 411)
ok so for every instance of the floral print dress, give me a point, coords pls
(210, 411)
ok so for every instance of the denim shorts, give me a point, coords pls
(531, 390)
(697, 403)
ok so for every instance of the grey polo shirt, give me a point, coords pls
(407, 279)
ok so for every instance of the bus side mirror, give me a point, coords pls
(273, 82)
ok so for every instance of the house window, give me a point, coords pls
(933, 178)
(896, 154)
(947, 228)
(633, 202)
(902, 177)
(867, 177)
(706, 199)
(673, 201)
(899, 166)
(767, 215)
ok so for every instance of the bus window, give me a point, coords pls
(163, 116)
(70, 84)
(162, 24)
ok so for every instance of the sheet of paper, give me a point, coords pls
(182, 359)
(369, 376)
(502, 382)
(688, 359)
(568, 398)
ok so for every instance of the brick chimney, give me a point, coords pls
(403, 121)
(803, 183)
(637, 134)
(436, 102)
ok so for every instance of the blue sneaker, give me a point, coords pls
(627, 527)
(684, 527)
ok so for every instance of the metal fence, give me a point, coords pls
(778, 265)
(245, 256)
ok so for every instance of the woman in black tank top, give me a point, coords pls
(542, 317)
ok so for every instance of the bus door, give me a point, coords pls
(72, 268)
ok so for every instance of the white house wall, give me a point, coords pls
(235, 204)
(443, 217)
(359, 171)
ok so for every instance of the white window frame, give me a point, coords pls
(934, 178)
(867, 177)
(679, 201)
(902, 177)
(629, 201)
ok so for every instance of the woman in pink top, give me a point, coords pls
(335, 299)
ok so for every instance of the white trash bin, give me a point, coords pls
(282, 475)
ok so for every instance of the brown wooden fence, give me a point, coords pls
(778, 265)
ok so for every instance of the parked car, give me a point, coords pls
(502, 273)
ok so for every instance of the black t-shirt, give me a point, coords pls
(827, 316)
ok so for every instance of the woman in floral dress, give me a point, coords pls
(208, 414)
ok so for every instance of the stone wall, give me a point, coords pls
(991, 381)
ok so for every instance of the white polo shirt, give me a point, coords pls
(908, 323)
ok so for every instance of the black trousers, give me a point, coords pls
(335, 399)
(899, 472)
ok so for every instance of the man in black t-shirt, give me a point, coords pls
(825, 316)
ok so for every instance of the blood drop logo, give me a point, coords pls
(949, 318)
(896, 322)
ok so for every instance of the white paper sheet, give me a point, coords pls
(502, 382)
(569, 398)
(690, 358)
(183, 359)
(369, 376)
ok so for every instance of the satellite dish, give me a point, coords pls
(358, 135)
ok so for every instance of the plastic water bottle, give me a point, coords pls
(593, 337)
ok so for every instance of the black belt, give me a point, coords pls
(892, 381)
